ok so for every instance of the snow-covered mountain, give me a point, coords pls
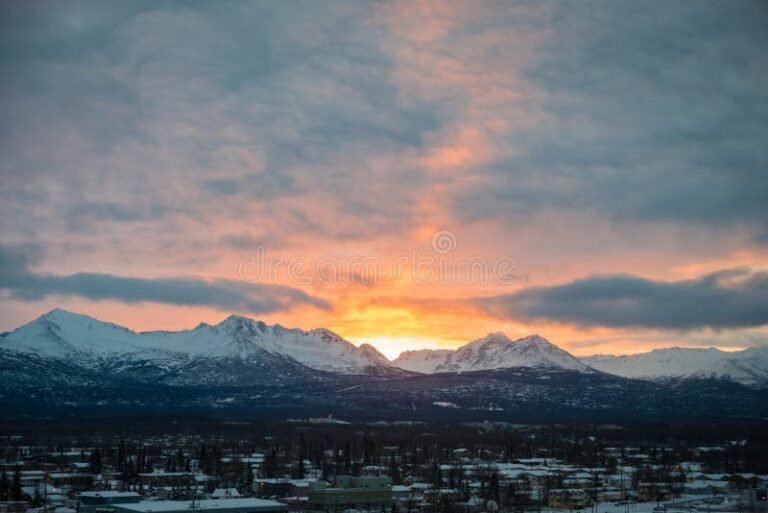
(749, 367)
(87, 341)
(68, 364)
(494, 351)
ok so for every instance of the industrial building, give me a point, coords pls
(204, 506)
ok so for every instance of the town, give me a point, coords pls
(328, 465)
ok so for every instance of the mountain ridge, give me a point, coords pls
(494, 351)
(94, 344)
(72, 336)
(748, 366)
(64, 364)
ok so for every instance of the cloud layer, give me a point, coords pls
(164, 139)
(25, 285)
(735, 298)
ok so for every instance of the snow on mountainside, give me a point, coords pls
(749, 367)
(74, 337)
(495, 351)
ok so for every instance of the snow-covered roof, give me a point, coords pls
(108, 494)
(168, 506)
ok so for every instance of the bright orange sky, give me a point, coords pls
(614, 171)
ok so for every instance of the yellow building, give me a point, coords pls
(568, 498)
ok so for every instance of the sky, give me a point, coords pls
(410, 174)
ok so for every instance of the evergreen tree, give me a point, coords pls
(121, 456)
(438, 473)
(95, 461)
(347, 458)
(37, 501)
(16, 486)
(180, 465)
(394, 471)
(5, 487)
(270, 464)
(301, 470)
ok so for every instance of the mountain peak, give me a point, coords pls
(61, 314)
(233, 319)
(73, 321)
(57, 311)
(241, 323)
(535, 338)
(494, 351)
(501, 338)
(371, 351)
(496, 337)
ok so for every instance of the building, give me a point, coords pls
(609, 495)
(69, 480)
(654, 492)
(758, 500)
(13, 506)
(205, 506)
(568, 498)
(102, 501)
(364, 493)
(160, 479)
(225, 493)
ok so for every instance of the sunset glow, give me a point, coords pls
(407, 174)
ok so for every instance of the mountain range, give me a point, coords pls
(63, 362)
(748, 367)
(78, 338)
(494, 351)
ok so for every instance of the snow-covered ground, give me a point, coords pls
(687, 503)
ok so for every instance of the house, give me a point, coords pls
(69, 480)
(654, 492)
(273, 487)
(102, 500)
(13, 506)
(706, 487)
(568, 498)
(440, 499)
(350, 492)
(609, 494)
(159, 479)
(758, 500)
(79, 466)
(225, 493)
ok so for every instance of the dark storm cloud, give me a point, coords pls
(657, 112)
(734, 298)
(23, 284)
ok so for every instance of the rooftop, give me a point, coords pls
(167, 506)
(109, 494)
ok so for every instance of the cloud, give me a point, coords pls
(734, 298)
(651, 113)
(229, 295)
(175, 137)
(413, 111)
(242, 111)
